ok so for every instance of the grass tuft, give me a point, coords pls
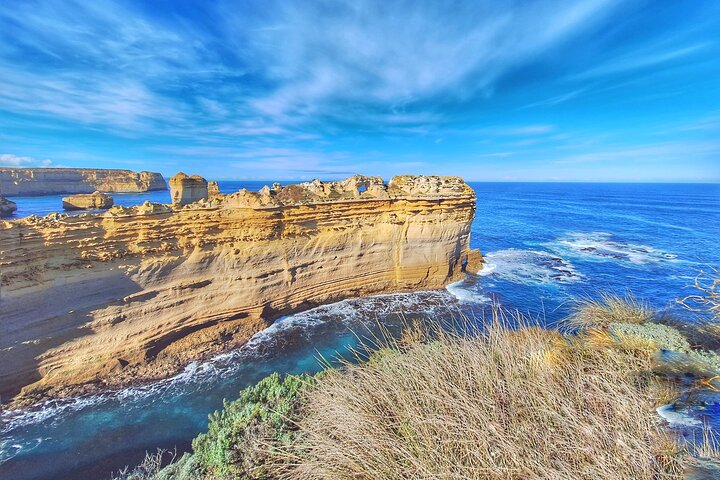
(608, 309)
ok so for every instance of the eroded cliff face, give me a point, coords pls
(138, 292)
(51, 181)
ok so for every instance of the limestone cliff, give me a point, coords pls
(51, 181)
(138, 292)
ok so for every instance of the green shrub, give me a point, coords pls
(244, 435)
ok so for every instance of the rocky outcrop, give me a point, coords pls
(185, 189)
(52, 181)
(6, 207)
(136, 293)
(213, 190)
(91, 201)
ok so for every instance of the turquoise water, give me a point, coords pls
(544, 244)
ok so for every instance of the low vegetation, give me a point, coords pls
(492, 402)
(243, 439)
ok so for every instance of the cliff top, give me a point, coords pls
(353, 188)
(357, 187)
(70, 169)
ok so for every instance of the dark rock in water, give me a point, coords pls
(6, 207)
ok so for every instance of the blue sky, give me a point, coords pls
(587, 90)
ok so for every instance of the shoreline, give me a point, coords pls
(168, 370)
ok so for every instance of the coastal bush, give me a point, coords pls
(151, 468)
(244, 436)
(510, 404)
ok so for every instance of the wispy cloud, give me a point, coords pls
(548, 102)
(277, 66)
(658, 153)
(642, 59)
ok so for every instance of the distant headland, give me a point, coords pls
(52, 181)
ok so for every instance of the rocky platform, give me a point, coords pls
(137, 293)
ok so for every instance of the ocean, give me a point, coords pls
(545, 244)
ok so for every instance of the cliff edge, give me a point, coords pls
(52, 181)
(137, 293)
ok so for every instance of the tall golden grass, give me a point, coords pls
(609, 308)
(499, 404)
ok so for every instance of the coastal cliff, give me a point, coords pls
(51, 181)
(137, 293)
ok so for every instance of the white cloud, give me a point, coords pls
(11, 160)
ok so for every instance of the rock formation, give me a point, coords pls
(136, 293)
(83, 201)
(213, 190)
(186, 189)
(6, 207)
(52, 181)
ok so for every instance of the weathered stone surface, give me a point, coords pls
(90, 201)
(159, 287)
(213, 190)
(147, 208)
(185, 189)
(355, 187)
(7, 207)
(51, 181)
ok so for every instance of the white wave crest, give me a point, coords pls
(604, 246)
(529, 267)
(201, 375)
(466, 291)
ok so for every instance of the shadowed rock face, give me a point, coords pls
(137, 293)
(6, 207)
(52, 181)
(95, 200)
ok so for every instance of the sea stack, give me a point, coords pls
(213, 190)
(6, 207)
(91, 201)
(185, 189)
(153, 288)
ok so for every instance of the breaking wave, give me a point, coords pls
(529, 267)
(276, 341)
(604, 246)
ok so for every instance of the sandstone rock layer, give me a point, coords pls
(83, 201)
(138, 292)
(185, 189)
(51, 181)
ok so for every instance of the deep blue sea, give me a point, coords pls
(544, 244)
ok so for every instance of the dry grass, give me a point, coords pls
(610, 308)
(501, 405)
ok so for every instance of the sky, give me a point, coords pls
(491, 90)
